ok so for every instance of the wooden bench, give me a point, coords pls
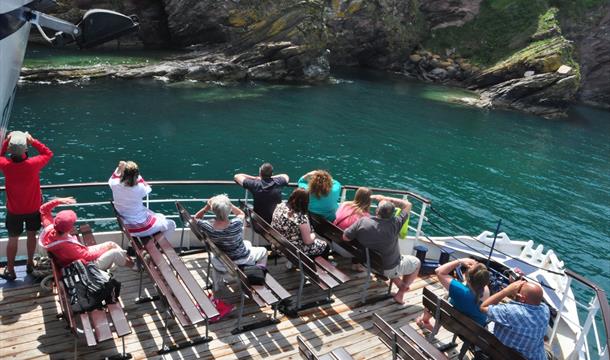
(406, 344)
(471, 333)
(182, 296)
(307, 352)
(318, 270)
(271, 293)
(97, 325)
(371, 259)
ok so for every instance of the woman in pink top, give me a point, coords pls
(350, 211)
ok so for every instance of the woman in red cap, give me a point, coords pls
(65, 247)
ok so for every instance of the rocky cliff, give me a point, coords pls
(508, 51)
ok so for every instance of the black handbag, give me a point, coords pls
(255, 274)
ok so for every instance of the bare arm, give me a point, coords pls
(201, 213)
(399, 203)
(509, 291)
(306, 234)
(239, 178)
(237, 212)
(443, 272)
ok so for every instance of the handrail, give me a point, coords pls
(220, 182)
(603, 302)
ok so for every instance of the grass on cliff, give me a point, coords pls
(501, 28)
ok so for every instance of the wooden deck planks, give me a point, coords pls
(32, 331)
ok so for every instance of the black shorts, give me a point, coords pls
(14, 223)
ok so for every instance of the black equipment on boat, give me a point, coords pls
(96, 27)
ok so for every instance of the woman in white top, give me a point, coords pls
(128, 190)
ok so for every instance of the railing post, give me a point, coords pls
(343, 194)
(420, 222)
(561, 306)
(593, 307)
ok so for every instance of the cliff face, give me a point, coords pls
(509, 51)
(373, 33)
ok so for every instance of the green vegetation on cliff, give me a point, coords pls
(505, 27)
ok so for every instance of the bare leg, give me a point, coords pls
(11, 252)
(31, 246)
(424, 320)
(407, 280)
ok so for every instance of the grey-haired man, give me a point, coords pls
(380, 233)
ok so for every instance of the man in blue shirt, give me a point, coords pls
(520, 324)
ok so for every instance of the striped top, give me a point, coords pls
(229, 240)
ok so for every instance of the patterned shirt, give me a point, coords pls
(521, 327)
(288, 225)
(229, 240)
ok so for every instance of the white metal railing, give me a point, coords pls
(596, 307)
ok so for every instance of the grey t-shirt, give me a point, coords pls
(381, 235)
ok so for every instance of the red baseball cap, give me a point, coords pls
(64, 221)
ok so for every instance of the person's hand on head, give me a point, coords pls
(468, 262)
(29, 138)
(68, 200)
(377, 197)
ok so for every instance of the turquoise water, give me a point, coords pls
(547, 180)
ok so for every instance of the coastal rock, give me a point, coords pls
(373, 33)
(444, 13)
(546, 95)
(543, 56)
(594, 59)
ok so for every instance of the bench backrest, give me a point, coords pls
(291, 251)
(333, 233)
(187, 219)
(412, 346)
(63, 295)
(468, 329)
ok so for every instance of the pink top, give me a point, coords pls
(346, 216)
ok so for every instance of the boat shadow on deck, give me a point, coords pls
(31, 329)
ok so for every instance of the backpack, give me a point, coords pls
(88, 287)
(255, 274)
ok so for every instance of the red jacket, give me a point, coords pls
(67, 248)
(22, 179)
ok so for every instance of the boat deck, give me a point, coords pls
(30, 329)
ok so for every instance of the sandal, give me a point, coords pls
(9, 275)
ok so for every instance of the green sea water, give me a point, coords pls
(548, 180)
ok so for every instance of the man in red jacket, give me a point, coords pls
(23, 194)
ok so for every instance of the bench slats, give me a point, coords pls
(265, 294)
(341, 354)
(100, 324)
(421, 342)
(121, 326)
(156, 278)
(468, 329)
(87, 329)
(276, 287)
(177, 290)
(191, 284)
(332, 269)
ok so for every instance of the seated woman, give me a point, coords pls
(291, 221)
(66, 248)
(128, 190)
(466, 298)
(350, 211)
(324, 193)
(228, 235)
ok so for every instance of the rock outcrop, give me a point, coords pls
(547, 94)
(443, 13)
(281, 61)
(593, 51)
(373, 33)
